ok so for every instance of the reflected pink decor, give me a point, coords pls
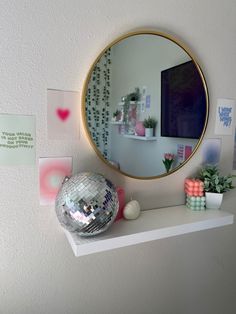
(139, 128)
(121, 196)
(188, 151)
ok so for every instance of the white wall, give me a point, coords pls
(51, 44)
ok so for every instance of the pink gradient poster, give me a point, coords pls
(187, 151)
(62, 114)
(52, 172)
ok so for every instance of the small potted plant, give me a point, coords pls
(117, 115)
(149, 124)
(168, 161)
(214, 185)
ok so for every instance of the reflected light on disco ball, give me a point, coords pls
(87, 204)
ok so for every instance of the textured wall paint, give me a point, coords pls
(51, 44)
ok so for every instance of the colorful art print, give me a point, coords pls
(224, 117)
(148, 101)
(187, 151)
(211, 149)
(180, 153)
(62, 114)
(52, 172)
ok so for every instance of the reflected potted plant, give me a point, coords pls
(117, 115)
(149, 124)
(214, 185)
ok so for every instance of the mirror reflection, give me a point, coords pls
(145, 105)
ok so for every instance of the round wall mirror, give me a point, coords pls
(145, 105)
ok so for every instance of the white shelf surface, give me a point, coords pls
(141, 138)
(132, 102)
(151, 225)
(117, 122)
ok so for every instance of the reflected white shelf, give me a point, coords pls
(151, 225)
(117, 122)
(132, 102)
(141, 138)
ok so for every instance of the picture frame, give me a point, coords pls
(234, 156)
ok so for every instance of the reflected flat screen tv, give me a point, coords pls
(183, 102)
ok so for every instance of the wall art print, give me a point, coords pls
(211, 149)
(234, 160)
(224, 122)
(17, 140)
(180, 153)
(52, 172)
(188, 149)
(183, 152)
(98, 104)
(62, 114)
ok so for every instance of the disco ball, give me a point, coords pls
(87, 204)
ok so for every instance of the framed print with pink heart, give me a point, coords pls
(62, 114)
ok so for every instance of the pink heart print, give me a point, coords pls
(63, 114)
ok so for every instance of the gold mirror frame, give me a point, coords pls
(84, 92)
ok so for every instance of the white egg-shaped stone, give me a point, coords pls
(132, 210)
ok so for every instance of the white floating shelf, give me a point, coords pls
(141, 138)
(151, 225)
